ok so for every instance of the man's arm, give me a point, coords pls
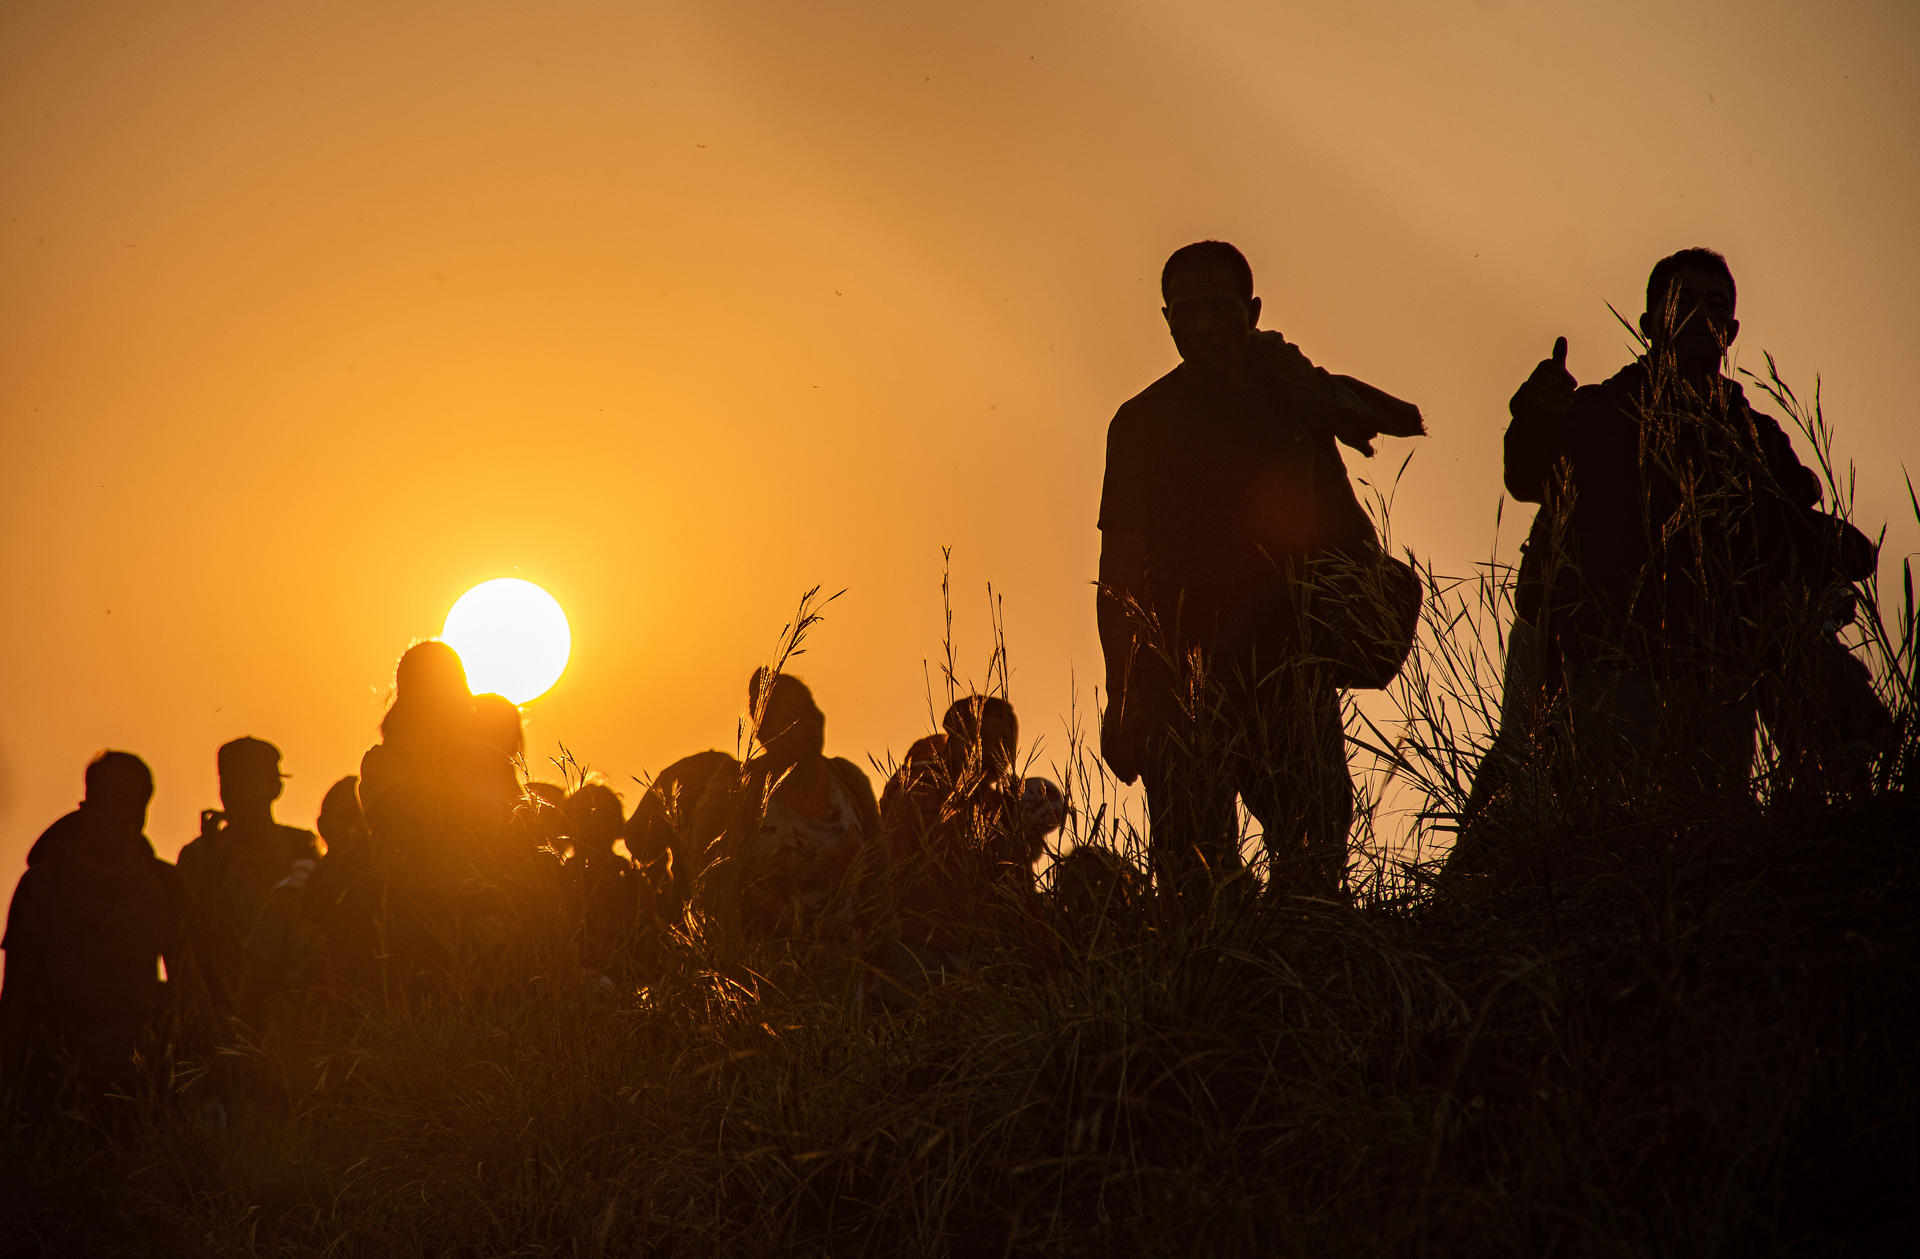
(1122, 566)
(1798, 483)
(1354, 411)
(1536, 439)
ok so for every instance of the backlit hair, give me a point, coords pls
(1209, 255)
(1695, 259)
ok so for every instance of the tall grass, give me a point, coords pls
(1703, 1047)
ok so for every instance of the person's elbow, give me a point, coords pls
(1525, 487)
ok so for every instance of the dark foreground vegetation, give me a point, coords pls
(1703, 1045)
(1656, 1032)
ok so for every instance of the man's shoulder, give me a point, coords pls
(1157, 401)
(26, 919)
(193, 854)
(166, 874)
(849, 772)
(69, 830)
(1797, 481)
(854, 781)
(697, 768)
(1768, 426)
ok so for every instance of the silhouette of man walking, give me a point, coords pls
(1224, 502)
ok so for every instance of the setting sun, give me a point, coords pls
(512, 636)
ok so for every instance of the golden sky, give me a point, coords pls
(317, 315)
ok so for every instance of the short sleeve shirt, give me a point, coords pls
(1224, 485)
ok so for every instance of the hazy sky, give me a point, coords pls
(317, 315)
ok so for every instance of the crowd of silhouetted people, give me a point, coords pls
(1682, 583)
(440, 866)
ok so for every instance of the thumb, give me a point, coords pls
(1560, 353)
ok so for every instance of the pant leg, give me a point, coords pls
(1294, 779)
(1192, 840)
(1510, 767)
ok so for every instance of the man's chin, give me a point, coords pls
(1698, 358)
(1211, 366)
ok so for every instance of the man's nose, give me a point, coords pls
(1208, 324)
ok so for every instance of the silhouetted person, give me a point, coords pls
(521, 829)
(343, 895)
(416, 784)
(91, 920)
(284, 949)
(961, 833)
(499, 753)
(1677, 560)
(799, 829)
(434, 824)
(1231, 568)
(1043, 810)
(315, 926)
(603, 884)
(661, 835)
(239, 857)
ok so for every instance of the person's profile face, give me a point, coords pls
(793, 729)
(1697, 322)
(248, 789)
(338, 825)
(1209, 319)
(999, 744)
(123, 812)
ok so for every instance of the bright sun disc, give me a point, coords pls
(512, 636)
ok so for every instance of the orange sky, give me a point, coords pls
(318, 315)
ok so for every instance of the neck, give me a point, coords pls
(1694, 371)
(1226, 376)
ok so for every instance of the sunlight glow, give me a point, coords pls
(512, 636)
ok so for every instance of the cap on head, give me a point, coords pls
(249, 758)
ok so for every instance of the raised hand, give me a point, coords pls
(1551, 386)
